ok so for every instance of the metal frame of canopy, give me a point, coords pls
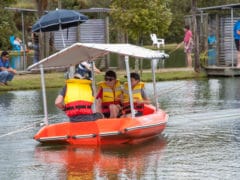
(79, 52)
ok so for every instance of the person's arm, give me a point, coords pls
(96, 70)
(12, 70)
(145, 98)
(9, 69)
(59, 101)
(88, 67)
(99, 100)
(179, 45)
(99, 93)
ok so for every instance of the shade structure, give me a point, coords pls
(58, 19)
(79, 52)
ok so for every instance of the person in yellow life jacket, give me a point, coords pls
(109, 96)
(139, 96)
(76, 99)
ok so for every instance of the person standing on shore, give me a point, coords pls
(6, 72)
(236, 34)
(188, 45)
(35, 40)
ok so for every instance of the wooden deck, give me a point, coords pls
(222, 71)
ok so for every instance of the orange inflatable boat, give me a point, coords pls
(103, 131)
(106, 131)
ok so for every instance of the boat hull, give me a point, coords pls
(106, 131)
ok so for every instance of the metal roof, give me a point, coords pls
(79, 52)
(220, 7)
(90, 10)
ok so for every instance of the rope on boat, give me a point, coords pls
(36, 124)
(17, 131)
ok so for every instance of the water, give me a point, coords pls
(196, 144)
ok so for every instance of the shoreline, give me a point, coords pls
(26, 80)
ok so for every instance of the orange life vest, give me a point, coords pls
(78, 98)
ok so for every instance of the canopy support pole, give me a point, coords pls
(44, 95)
(129, 86)
(232, 23)
(23, 40)
(154, 66)
(64, 45)
(93, 84)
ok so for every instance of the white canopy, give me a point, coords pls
(79, 52)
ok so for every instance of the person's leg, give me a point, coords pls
(3, 76)
(238, 59)
(9, 76)
(189, 60)
(237, 44)
(114, 111)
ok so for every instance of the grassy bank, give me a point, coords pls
(56, 80)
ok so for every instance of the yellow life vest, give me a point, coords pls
(78, 98)
(110, 96)
(137, 95)
(136, 92)
(78, 89)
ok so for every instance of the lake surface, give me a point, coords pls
(201, 140)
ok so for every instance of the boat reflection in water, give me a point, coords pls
(111, 162)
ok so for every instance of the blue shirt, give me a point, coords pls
(235, 29)
(4, 63)
(211, 39)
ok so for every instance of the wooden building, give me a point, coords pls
(217, 49)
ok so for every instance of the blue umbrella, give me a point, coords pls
(58, 19)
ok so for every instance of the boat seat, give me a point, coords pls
(148, 109)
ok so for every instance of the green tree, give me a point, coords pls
(182, 8)
(179, 9)
(137, 19)
(74, 4)
(207, 3)
(7, 25)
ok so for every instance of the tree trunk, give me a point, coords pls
(196, 37)
(41, 7)
(121, 39)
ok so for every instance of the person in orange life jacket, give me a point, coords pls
(139, 96)
(109, 96)
(76, 99)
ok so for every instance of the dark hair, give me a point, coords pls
(187, 27)
(4, 53)
(35, 38)
(135, 76)
(111, 73)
